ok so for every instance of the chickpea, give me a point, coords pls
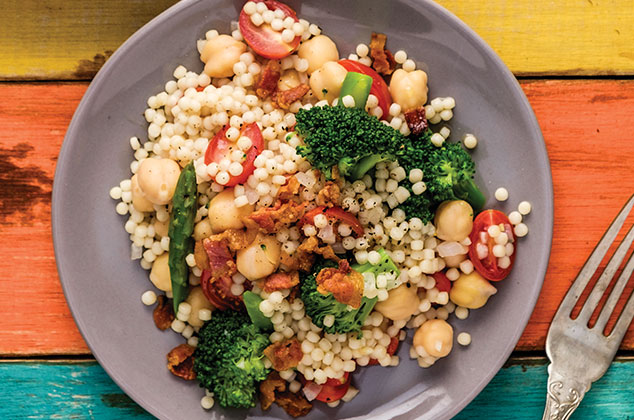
(454, 220)
(161, 228)
(436, 337)
(160, 273)
(471, 291)
(202, 229)
(401, 303)
(326, 81)
(198, 301)
(139, 201)
(158, 178)
(317, 51)
(223, 213)
(260, 259)
(220, 54)
(409, 89)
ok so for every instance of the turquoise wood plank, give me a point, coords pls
(64, 390)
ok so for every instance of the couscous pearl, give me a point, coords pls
(400, 56)
(470, 141)
(409, 65)
(207, 402)
(524, 208)
(521, 230)
(515, 218)
(501, 194)
(446, 115)
(464, 339)
(494, 231)
(437, 139)
(148, 298)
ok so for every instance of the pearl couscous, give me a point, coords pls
(229, 208)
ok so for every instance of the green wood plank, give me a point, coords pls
(38, 390)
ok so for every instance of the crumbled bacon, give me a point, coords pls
(416, 120)
(329, 196)
(180, 361)
(272, 219)
(295, 405)
(273, 389)
(220, 259)
(200, 256)
(284, 355)
(345, 284)
(272, 383)
(267, 83)
(312, 245)
(163, 313)
(280, 281)
(284, 98)
(236, 239)
(383, 60)
(216, 280)
(290, 190)
(298, 260)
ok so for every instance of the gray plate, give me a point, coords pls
(103, 287)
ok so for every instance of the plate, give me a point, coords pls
(103, 287)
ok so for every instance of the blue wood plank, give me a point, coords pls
(67, 390)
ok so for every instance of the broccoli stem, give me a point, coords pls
(358, 86)
(469, 191)
(367, 163)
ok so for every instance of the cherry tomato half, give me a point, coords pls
(263, 39)
(442, 282)
(336, 213)
(379, 87)
(334, 389)
(391, 349)
(488, 266)
(220, 147)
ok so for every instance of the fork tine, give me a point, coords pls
(624, 321)
(606, 277)
(593, 261)
(610, 304)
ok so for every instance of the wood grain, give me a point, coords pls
(43, 390)
(586, 124)
(65, 40)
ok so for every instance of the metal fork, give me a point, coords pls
(580, 355)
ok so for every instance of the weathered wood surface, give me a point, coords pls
(586, 124)
(43, 390)
(64, 40)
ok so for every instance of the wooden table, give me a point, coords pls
(574, 59)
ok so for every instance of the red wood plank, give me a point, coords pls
(586, 125)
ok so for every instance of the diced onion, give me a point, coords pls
(450, 249)
(311, 390)
(136, 252)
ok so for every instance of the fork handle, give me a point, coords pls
(564, 395)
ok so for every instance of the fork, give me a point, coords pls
(580, 355)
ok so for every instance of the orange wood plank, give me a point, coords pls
(587, 126)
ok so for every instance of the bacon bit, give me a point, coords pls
(267, 83)
(299, 260)
(345, 284)
(163, 313)
(312, 245)
(216, 280)
(272, 383)
(329, 196)
(272, 219)
(280, 281)
(290, 190)
(180, 361)
(295, 405)
(220, 260)
(416, 120)
(284, 98)
(200, 255)
(285, 354)
(236, 239)
(384, 62)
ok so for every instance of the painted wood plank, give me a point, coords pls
(40, 390)
(586, 124)
(71, 40)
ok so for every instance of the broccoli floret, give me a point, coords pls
(228, 358)
(318, 305)
(420, 206)
(448, 174)
(385, 265)
(345, 137)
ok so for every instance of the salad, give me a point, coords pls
(299, 213)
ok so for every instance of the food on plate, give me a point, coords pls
(300, 212)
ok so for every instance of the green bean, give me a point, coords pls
(180, 232)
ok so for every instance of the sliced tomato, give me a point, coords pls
(263, 39)
(334, 389)
(442, 282)
(336, 213)
(391, 349)
(219, 292)
(488, 266)
(220, 147)
(379, 87)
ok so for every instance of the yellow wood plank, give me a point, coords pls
(548, 37)
(61, 39)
